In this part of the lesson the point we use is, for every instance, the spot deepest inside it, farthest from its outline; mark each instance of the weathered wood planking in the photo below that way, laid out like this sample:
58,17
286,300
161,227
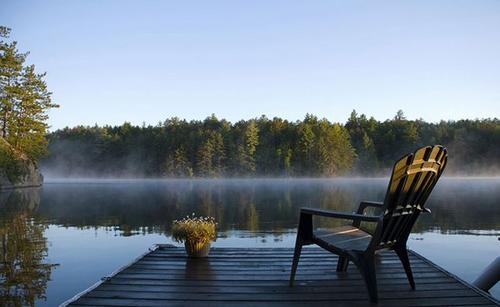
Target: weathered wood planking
259,276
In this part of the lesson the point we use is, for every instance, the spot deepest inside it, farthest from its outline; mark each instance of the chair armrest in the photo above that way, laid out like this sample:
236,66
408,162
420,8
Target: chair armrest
364,204
340,215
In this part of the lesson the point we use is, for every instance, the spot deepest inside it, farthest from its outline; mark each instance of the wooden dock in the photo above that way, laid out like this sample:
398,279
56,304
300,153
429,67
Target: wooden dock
259,277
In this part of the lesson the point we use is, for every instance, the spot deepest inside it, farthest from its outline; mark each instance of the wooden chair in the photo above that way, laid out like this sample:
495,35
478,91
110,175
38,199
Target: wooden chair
412,180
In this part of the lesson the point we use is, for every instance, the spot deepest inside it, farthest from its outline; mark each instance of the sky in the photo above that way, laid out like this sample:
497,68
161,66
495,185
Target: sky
108,62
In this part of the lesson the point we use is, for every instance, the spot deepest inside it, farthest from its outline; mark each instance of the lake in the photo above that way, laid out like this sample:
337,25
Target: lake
65,236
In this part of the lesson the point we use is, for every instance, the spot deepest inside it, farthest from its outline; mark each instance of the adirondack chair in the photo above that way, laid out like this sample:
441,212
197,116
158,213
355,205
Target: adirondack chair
412,180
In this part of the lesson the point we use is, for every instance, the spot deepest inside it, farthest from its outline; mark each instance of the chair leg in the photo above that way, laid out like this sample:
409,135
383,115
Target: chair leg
342,264
366,267
296,256
402,253
304,235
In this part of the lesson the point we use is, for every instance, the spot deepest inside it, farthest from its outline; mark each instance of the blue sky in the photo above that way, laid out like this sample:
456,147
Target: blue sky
143,61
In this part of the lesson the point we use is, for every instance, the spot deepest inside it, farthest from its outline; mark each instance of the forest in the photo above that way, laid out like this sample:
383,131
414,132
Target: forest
264,147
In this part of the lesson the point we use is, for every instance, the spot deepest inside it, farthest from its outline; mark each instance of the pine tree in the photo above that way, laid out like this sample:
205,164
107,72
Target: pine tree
178,165
247,147
359,128
219,154
29,117
204,161
11,65
306,148
24,101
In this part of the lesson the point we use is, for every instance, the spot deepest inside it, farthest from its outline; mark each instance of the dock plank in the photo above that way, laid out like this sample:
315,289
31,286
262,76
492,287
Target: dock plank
259,276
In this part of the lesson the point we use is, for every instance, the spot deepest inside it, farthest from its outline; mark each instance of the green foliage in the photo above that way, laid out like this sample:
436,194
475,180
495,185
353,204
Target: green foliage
9,163
473,144
208,148
211,155
178,165
324,148
361,131
247,139
268,147
24,101
273,153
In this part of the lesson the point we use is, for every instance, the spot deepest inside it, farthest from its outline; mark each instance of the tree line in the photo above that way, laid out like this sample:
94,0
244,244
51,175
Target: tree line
312,147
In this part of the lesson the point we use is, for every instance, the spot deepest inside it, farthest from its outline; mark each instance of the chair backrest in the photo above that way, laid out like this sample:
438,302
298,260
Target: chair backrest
412,180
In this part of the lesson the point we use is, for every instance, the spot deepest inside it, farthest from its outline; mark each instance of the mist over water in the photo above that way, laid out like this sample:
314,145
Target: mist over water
458,203
92,226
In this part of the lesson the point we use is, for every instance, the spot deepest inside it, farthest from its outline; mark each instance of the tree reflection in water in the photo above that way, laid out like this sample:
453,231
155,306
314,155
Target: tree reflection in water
23,271
254,206
264,209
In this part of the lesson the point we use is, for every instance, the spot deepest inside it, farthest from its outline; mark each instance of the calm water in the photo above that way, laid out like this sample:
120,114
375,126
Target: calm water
62,238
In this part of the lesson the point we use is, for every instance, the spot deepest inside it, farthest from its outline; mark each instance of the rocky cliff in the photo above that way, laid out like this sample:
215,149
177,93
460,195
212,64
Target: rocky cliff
16,170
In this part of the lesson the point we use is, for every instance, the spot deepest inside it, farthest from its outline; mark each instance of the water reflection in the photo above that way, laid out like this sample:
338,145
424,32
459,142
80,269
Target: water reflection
198,269
24,272
264,212
254,205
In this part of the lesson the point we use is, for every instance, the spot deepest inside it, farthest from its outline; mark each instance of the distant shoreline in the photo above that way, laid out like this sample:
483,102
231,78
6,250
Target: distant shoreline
297,179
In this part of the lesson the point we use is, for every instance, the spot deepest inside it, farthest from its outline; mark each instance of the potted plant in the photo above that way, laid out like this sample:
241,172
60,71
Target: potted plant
196,233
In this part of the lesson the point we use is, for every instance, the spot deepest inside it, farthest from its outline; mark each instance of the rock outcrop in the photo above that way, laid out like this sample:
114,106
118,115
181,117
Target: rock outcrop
16,170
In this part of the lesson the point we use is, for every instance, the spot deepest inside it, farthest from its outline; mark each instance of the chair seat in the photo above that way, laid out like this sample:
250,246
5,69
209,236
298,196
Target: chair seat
344,237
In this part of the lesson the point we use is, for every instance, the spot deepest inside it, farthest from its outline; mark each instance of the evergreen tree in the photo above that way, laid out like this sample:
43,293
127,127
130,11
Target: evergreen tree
219,154
178,165
335,153
24,101
360,130
11,65
243,155
395,138
306,147
251,140
204,161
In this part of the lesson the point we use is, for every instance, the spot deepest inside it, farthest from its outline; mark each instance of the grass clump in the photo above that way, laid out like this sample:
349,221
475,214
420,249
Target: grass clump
194,229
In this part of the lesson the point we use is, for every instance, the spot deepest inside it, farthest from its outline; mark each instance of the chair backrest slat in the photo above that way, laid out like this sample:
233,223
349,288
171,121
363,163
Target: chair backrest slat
412,180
